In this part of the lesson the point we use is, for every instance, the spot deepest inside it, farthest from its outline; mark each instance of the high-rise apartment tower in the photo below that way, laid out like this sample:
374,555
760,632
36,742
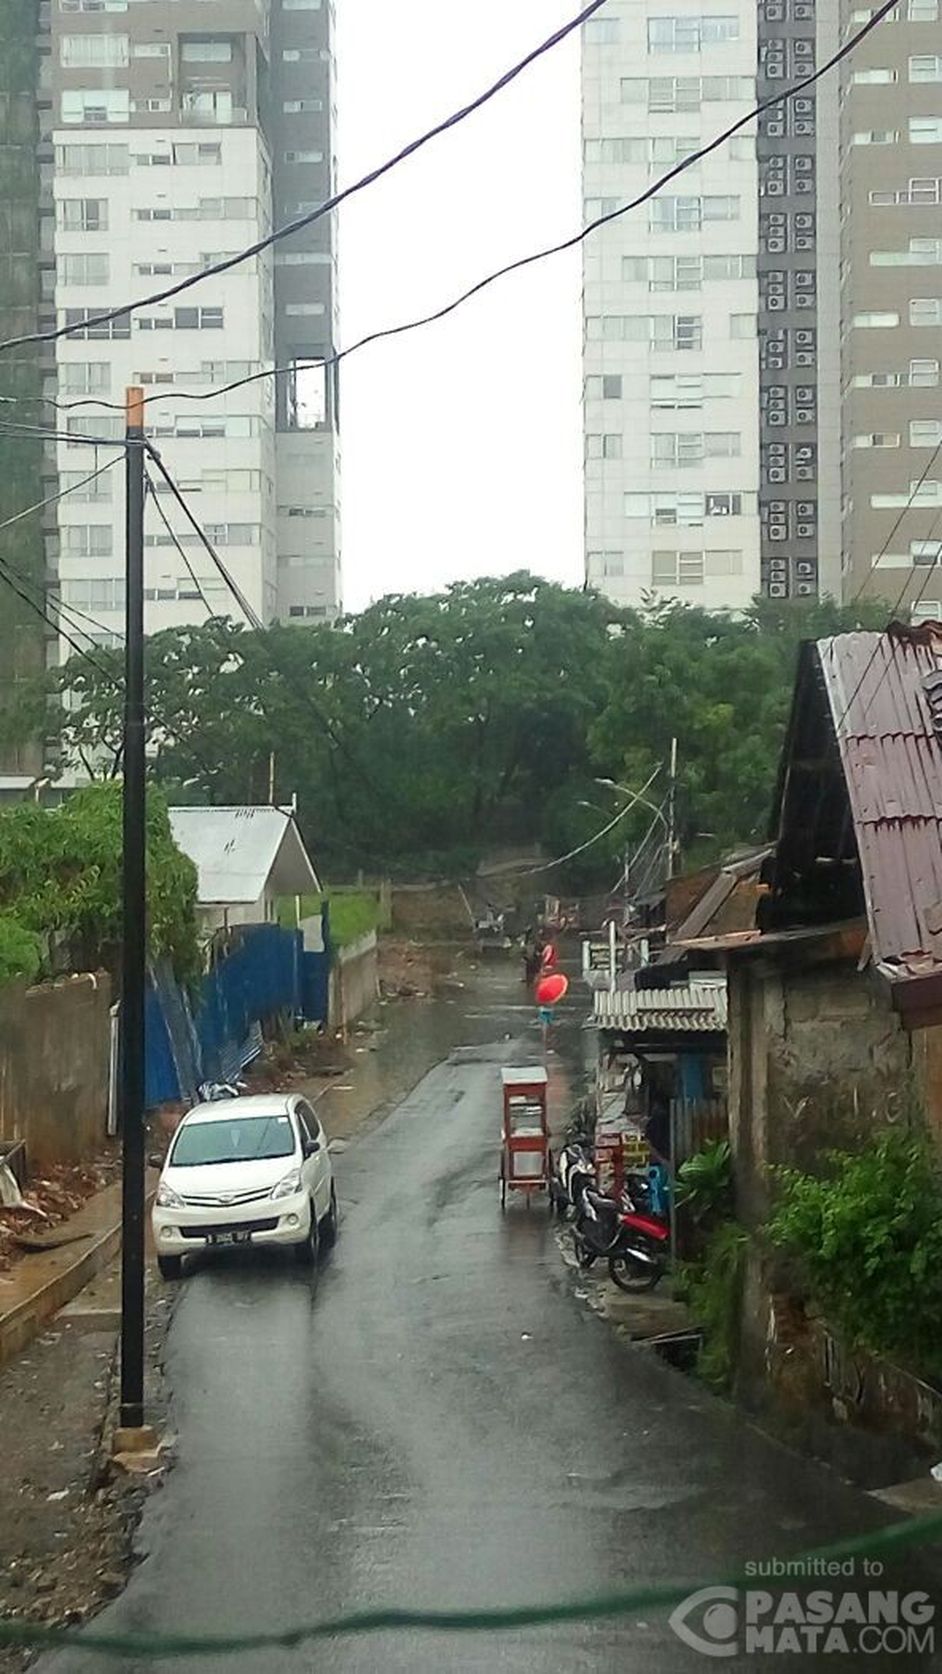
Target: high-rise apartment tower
177,132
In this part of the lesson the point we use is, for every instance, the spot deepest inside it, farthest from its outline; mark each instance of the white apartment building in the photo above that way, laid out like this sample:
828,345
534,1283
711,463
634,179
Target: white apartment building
671,305
174,143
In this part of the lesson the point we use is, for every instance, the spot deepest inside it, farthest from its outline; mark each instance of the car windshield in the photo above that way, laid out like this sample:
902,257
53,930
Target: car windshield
245,1139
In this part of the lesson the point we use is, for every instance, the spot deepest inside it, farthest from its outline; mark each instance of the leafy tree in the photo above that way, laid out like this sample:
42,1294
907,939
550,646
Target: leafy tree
432,727
60,881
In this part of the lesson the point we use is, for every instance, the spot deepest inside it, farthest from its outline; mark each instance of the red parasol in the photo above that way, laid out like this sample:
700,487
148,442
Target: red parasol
551,989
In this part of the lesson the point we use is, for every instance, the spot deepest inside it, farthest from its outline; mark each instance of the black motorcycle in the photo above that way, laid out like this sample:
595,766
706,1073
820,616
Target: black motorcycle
635,1243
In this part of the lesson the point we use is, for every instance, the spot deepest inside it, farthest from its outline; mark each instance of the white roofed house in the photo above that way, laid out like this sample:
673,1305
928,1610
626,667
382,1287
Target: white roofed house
246,860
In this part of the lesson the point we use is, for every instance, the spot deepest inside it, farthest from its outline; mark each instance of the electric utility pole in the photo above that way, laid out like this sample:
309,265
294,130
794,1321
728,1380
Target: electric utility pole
134,942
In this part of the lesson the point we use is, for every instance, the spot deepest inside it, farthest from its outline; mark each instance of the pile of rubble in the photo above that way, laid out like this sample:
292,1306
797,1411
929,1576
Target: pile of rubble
30,1214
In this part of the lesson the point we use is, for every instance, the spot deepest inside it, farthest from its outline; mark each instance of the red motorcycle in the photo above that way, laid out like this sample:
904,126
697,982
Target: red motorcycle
635,1242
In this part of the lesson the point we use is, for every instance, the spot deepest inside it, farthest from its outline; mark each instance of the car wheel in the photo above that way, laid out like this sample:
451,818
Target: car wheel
306,1252
170,1267
329,1226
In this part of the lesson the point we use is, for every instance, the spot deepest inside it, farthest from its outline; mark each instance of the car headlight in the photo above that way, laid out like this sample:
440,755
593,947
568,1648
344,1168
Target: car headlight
167,1198
289,1186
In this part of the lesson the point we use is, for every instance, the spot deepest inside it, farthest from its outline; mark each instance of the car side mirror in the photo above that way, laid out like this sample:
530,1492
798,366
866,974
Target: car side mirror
311,1147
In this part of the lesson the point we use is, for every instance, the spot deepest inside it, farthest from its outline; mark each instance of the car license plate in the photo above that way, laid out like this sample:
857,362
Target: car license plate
222,1238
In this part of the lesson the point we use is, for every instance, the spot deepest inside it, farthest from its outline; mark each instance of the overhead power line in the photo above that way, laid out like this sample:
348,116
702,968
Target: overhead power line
250,613
332,203
795,90
155,500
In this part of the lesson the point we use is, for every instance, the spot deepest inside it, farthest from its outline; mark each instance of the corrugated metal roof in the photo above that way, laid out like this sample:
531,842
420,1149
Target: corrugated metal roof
237,850
893,768
693,1008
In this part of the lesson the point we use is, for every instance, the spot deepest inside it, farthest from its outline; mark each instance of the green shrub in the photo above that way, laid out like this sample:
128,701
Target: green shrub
20,952
711,1289
705,1182
867,1241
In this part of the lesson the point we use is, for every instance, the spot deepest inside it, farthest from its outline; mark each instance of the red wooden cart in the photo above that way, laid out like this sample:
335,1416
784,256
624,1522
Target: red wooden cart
526,1161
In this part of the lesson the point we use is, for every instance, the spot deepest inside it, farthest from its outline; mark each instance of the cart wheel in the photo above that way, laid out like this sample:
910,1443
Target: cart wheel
503,1184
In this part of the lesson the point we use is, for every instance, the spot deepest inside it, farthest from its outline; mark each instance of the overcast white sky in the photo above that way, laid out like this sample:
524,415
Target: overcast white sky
461,443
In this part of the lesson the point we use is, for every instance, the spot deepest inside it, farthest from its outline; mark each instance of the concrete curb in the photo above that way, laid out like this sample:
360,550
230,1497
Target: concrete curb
45,1282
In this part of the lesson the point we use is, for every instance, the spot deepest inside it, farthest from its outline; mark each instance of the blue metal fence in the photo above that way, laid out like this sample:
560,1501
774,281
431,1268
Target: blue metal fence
266,973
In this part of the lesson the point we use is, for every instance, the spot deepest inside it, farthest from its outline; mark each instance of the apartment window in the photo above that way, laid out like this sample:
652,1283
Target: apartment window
302,310
187,154
87,540
677,569
924,374
926,66
873,136
616,151
301,5
83,214
925,433
689,214
91,105
602,31
93,5
293,107
604,447
302,258
107,330
680,448
304,156
680,391
925,130
85,377
722,562
690,34
923,11
922,252
206,52
106,426
90,493
877,439
873,78
92,159
95,592
879,380
607,387
86,269
166,270
80,52
729,267
679,94
925,311
928,493
874,321
926,553
152,49
184,319
234,534
606,563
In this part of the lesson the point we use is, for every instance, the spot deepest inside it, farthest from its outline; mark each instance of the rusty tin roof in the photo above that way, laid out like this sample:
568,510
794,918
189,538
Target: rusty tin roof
892,760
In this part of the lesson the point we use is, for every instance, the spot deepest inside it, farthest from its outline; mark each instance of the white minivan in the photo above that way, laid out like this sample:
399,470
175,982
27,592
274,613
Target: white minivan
245,1171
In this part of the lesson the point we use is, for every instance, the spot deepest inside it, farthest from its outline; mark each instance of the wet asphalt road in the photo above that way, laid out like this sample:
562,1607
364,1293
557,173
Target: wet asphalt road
438,1421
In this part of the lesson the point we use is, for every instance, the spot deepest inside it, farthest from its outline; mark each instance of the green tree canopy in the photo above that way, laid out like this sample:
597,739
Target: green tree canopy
431,728
60,882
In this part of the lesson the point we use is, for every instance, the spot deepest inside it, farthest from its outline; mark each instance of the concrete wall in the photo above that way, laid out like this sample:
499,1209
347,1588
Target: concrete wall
54,1058
354,981
817,1059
